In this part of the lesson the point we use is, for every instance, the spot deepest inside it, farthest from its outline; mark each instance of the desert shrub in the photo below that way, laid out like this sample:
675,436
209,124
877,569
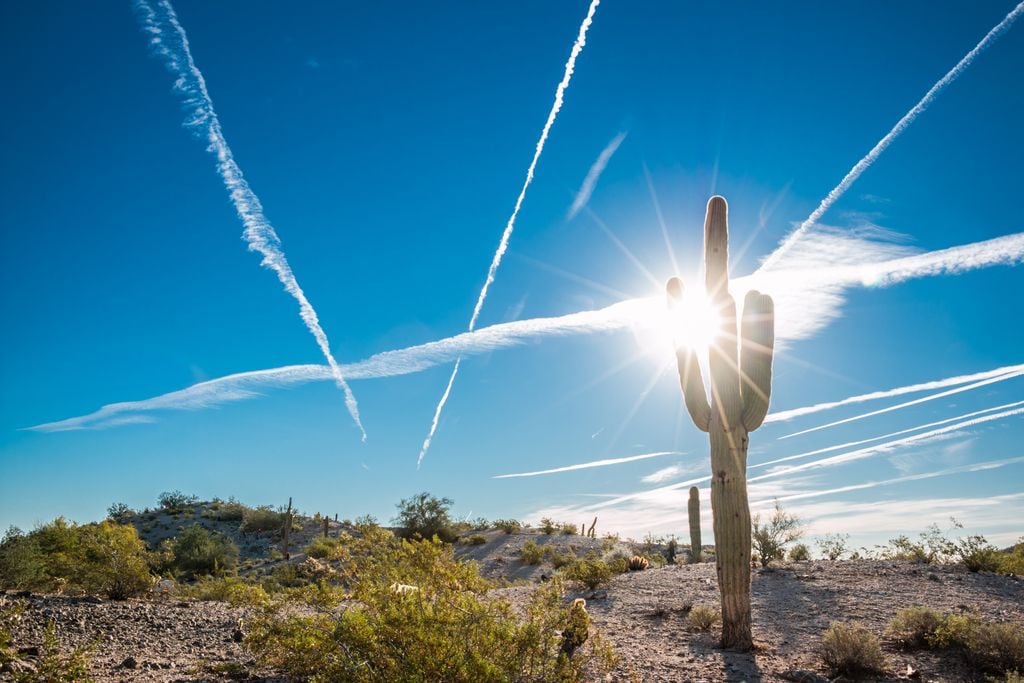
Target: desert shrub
851,649
547,526
531,553
833,546
198,551
106,558
589,572
703,617
446,630
323,547
262,519
799,553
10,614
560,558
509,526
425,516
475,539
570,529
617,564
997,647
956,630
175,501
975,553
230,589
657,560
770,539
1013,561
56,666
915,627
227,511
119,511
932,547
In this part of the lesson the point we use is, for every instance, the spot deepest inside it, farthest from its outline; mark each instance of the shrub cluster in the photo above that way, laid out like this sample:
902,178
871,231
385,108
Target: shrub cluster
509,526
175,501
262,519
703,617
851,649
425,516
442,628
997,647
771,537
105,558
197,551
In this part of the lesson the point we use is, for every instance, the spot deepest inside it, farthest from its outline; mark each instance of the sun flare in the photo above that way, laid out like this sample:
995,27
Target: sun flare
694,322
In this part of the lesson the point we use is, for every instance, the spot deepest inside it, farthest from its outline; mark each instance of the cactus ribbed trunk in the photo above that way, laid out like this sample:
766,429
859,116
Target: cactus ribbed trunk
740,371
693,510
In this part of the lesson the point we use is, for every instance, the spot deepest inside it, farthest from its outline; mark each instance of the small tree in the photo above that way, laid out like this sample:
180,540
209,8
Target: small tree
199,551
833,546
425,516
174,501
770,539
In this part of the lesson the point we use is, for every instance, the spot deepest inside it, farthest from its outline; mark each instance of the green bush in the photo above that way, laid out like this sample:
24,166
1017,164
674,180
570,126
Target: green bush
570,529
975,553
1013,561
119,511
997,647
956,630
915,627
799,553
105,558
175,501
198,551
509,526
55,666
425,516
833,546
323,547
548,526
227,511
446,630
262,519
560,558
703,617
851,649
230,589
590,572
475,539
531,553
770,538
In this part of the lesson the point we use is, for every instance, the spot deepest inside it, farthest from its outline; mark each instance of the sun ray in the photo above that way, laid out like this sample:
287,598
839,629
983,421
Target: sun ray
661,220
624,249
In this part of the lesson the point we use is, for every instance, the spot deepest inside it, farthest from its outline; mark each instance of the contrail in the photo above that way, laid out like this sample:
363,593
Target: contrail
906,404
900,126
590,181
963,469
784,415
795,297
570,65
588,465
173,47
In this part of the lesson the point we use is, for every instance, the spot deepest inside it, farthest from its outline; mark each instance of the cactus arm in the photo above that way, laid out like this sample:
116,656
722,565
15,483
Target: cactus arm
693,510
757,346
690,379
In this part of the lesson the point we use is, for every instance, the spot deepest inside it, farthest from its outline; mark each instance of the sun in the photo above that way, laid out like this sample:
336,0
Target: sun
660,329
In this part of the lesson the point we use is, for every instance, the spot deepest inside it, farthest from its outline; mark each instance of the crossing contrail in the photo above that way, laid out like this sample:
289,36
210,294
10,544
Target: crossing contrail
168,40
884,143
570,65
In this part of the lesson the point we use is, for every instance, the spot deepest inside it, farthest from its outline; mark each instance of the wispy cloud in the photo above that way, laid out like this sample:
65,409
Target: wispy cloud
506,235
168,40
805,298
673,471
907,404
887,140
588,465
590,181
784,415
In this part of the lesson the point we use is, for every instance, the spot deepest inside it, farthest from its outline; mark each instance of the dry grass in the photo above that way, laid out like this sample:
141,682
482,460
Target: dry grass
849,648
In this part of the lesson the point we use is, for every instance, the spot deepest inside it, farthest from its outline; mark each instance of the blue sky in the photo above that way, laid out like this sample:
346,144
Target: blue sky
387,144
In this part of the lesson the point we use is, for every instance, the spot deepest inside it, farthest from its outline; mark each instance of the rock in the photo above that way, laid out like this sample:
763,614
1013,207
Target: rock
129,663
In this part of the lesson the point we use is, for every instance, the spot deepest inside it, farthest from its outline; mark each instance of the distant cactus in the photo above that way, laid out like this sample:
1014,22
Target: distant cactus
638,563
591,533
694,511
740,389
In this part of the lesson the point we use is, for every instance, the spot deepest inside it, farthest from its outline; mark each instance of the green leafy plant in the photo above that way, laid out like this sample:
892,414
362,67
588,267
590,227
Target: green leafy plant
509,526
915,626
548,526
589,572
262,519
425,516
799,553
475,539
198,551
833,546
175,501
771,538
531,553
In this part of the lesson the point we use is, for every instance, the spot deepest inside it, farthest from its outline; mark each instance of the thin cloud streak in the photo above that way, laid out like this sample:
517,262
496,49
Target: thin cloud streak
907,404
797,300
589,465
168,41
884,143
784,415
590,181
506,235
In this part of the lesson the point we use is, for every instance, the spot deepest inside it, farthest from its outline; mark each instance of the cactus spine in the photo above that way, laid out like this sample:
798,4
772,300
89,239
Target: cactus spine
741,377
693,508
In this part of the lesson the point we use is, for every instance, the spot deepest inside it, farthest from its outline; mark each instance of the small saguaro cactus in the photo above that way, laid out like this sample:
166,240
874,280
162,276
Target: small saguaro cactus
693,508
741,373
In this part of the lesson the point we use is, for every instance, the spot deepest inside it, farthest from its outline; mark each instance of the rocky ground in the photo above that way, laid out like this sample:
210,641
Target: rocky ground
643,614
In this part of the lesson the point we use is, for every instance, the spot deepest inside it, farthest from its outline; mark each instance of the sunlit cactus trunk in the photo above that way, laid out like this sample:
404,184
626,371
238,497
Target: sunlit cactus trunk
693,510
740,372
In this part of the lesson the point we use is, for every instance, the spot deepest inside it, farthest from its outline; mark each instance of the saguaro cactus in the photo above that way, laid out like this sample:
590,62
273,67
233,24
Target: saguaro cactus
740,372
693,508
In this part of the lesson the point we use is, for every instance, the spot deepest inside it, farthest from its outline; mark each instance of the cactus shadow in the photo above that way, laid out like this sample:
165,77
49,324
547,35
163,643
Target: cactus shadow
790,604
